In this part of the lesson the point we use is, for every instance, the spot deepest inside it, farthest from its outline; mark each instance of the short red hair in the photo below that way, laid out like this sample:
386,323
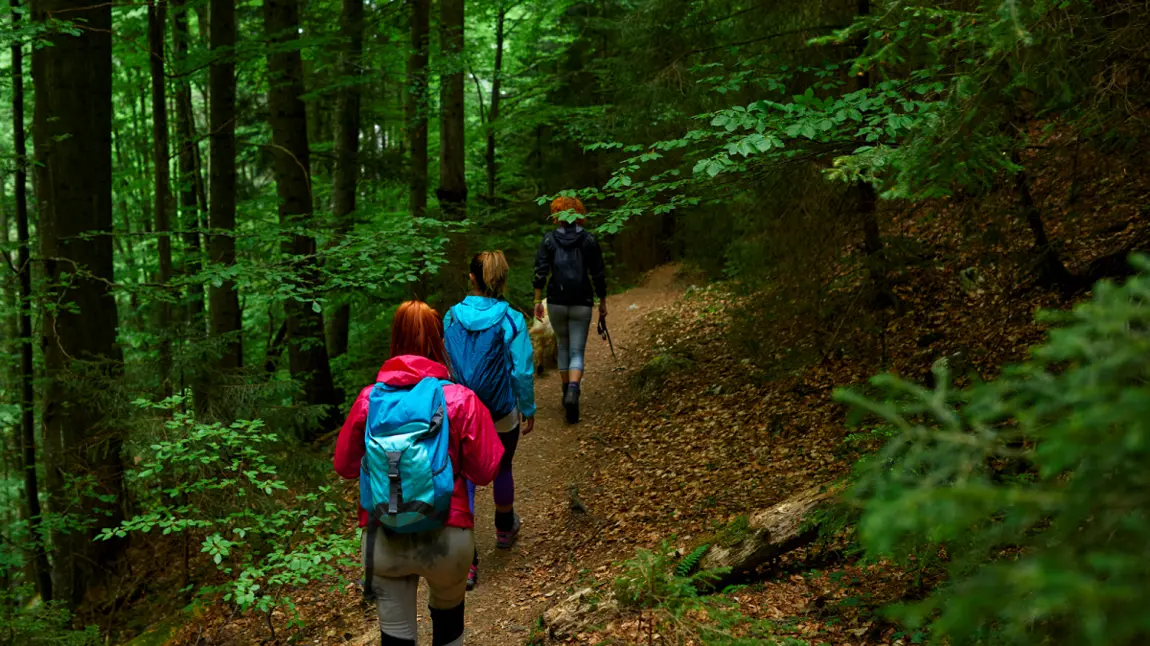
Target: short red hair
560,204
417,329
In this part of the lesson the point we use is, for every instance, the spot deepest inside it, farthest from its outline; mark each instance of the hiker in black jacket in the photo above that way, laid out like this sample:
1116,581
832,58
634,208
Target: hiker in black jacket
570,264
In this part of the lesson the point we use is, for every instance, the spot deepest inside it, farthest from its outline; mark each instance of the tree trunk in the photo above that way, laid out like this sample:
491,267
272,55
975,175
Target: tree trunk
191,205
867,200
190,220
27,368
307,352
493,112
346,176
157,19
415,114
138,145
452,192
223,300
1051,271
73,141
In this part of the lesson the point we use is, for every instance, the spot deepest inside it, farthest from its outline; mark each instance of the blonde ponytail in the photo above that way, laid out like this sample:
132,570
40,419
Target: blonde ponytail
490,271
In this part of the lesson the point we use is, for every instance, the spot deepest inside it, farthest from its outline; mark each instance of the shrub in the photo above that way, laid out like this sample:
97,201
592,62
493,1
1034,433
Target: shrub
218,484
39,624
1032,489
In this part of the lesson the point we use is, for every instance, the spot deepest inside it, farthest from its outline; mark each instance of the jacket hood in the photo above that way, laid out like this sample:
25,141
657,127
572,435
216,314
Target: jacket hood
408,369
480,312
570,236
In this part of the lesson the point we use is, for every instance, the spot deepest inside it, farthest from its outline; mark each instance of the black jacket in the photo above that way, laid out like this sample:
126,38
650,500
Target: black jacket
594,273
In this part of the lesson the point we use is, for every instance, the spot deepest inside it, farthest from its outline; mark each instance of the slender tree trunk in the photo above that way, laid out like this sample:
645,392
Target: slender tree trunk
223,300
415,114
493,112
452,192
307,351
202,23
345,181
12,380
189,173
138,144
27,368
73,139
157,19
867,201
1051,270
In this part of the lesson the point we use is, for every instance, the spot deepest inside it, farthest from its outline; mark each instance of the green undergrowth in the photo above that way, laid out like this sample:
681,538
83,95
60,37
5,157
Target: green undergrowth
665,589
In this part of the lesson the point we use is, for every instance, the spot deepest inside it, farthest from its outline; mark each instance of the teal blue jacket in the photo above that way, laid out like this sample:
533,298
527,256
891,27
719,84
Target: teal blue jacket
480,313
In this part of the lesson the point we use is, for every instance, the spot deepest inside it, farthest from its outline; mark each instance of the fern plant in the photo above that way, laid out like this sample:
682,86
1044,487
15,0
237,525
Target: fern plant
687,566
668,594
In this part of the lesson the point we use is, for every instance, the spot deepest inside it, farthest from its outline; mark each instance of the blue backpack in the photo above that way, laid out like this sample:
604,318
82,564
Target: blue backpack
407,480
480,360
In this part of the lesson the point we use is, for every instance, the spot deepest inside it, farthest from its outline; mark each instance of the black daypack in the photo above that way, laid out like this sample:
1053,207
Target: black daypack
567,269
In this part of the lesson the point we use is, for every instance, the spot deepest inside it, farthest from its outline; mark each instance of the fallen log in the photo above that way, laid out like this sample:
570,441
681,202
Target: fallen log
765,535
579,612
769,533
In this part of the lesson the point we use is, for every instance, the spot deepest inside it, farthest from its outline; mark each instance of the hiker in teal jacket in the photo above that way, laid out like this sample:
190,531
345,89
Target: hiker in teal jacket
490,352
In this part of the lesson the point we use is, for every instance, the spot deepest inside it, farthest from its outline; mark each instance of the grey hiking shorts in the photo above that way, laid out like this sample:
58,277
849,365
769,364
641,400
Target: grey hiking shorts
442,556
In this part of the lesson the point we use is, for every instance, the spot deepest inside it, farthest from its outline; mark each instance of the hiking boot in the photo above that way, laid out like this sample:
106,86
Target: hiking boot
571,405
504,540
472,578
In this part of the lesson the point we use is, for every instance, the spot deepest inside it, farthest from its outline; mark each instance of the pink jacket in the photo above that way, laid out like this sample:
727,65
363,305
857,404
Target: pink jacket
475,448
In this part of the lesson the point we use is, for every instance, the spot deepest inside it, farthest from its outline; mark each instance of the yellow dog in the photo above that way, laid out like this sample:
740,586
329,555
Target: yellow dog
543,344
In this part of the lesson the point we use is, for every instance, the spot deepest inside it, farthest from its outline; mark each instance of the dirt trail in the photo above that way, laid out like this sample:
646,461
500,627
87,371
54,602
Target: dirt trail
509,597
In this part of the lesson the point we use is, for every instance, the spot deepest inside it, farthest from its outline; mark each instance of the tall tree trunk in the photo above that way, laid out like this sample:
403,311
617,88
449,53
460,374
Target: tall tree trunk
73,141
493,112
307,351
223,300
452,192
138,144
190,214
157,19
867,201
347,109
415,115
27,368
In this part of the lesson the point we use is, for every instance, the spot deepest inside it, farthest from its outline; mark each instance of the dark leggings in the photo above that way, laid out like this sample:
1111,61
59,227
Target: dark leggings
504,485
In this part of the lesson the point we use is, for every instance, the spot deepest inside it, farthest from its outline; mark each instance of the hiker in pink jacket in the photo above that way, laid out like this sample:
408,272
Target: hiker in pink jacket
442,556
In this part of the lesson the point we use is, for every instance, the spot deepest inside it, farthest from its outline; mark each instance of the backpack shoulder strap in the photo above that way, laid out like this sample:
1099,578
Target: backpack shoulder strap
457,472
511,321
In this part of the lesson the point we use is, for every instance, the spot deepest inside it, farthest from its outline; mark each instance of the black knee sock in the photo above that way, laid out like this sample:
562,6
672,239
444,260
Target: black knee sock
504,521
475,560
446,625
388,640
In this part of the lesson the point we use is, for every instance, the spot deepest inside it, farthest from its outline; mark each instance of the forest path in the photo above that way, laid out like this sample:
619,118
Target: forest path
512,583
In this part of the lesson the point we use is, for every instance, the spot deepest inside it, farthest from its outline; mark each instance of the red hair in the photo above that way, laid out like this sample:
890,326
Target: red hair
417,329
560,204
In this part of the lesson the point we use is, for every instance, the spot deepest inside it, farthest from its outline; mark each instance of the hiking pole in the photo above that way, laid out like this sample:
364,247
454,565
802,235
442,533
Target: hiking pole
606,336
